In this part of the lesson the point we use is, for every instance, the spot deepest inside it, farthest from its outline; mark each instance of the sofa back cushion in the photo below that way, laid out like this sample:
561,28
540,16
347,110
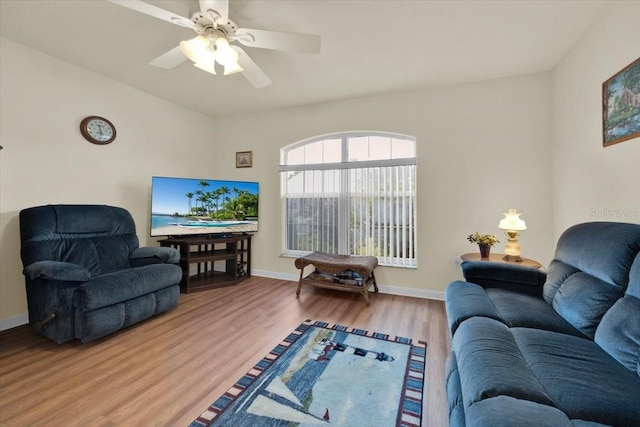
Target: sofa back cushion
619,331
590,271
97,237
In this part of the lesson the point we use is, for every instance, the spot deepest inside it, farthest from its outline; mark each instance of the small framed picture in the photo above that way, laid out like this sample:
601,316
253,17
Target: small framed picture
244,159
621,105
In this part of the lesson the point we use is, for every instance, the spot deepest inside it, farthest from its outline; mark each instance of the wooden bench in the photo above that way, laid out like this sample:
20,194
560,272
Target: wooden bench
337,264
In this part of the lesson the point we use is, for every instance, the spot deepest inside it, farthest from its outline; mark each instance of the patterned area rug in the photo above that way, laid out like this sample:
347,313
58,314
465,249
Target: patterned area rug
324,374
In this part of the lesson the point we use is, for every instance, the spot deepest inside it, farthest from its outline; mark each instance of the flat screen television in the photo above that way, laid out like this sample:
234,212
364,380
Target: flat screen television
189,206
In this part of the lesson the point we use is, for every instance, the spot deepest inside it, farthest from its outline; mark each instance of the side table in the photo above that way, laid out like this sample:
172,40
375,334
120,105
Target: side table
498,258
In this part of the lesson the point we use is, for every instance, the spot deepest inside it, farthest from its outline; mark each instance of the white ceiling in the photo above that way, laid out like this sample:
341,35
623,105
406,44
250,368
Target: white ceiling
368,46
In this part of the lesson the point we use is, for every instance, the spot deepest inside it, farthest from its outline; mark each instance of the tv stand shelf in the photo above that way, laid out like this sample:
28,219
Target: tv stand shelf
210,262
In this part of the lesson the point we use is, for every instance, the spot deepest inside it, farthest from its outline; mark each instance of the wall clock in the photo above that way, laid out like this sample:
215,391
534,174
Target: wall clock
98,130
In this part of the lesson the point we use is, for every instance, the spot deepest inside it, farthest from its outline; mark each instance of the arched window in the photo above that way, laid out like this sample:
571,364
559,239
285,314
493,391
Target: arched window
351,193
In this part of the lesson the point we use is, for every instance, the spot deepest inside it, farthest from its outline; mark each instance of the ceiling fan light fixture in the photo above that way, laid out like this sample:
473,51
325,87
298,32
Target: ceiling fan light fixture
207,64
232,69
225,55
196,48
211,45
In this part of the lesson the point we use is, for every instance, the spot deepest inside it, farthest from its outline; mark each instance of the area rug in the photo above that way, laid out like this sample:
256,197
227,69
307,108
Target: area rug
327,374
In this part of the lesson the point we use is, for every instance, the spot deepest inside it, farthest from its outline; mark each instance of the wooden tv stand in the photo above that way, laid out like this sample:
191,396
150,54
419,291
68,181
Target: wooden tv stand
210,262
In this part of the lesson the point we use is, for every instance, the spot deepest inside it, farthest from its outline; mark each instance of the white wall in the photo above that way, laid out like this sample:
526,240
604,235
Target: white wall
592,183
46,160
482,148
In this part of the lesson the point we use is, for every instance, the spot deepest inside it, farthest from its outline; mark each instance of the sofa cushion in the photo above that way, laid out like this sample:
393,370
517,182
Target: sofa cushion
633,290
557,273
590,271
604,250
505,411
581,379
102,242
154,255
619,331
518,310
75,219
465,300
545,368
57,270
511,276
490,364
112,288
97,323
454,392
99,255
583,299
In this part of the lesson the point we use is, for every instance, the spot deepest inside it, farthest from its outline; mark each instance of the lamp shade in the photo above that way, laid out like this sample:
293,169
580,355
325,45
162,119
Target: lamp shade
512,221
225,55
207,62
195,48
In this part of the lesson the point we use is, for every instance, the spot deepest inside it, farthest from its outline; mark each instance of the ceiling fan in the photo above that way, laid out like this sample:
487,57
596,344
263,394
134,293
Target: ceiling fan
216,31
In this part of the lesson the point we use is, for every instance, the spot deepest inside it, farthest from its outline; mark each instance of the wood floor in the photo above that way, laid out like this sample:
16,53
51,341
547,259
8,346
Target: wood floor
167,370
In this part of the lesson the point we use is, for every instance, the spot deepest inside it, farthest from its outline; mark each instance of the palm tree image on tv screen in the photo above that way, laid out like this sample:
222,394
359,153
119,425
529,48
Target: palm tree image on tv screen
184,206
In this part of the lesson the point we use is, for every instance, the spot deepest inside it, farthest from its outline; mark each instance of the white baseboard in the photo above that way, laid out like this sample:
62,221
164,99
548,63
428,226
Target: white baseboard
411,292
275,275
23,319
384,289
12,322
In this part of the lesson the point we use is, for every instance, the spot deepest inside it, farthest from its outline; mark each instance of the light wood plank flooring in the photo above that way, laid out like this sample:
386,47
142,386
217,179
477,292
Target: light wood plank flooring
168,369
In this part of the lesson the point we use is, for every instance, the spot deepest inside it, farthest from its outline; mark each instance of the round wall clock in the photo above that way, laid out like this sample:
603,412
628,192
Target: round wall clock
98,130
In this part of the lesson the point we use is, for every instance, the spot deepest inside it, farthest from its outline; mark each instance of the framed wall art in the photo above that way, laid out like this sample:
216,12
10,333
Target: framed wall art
244,159
621,105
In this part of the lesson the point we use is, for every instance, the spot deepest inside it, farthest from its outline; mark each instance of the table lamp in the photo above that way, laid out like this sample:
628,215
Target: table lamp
511,224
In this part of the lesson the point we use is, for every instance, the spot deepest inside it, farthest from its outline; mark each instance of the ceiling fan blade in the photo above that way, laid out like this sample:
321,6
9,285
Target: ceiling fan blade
295,42
170,59
219,6
156,12
252,72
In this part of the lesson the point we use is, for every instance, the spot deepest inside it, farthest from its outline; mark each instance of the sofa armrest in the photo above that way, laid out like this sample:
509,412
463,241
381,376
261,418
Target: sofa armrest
523,279
57,270
154,255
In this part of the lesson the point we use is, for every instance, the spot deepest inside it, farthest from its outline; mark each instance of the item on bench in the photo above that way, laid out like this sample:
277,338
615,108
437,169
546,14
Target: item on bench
346,277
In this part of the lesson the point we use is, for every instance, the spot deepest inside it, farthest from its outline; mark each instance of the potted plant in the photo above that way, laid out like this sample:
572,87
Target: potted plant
484,242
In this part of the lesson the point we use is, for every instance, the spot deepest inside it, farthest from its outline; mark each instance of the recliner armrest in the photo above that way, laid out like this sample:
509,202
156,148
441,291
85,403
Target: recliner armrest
528,280
154,255
57,270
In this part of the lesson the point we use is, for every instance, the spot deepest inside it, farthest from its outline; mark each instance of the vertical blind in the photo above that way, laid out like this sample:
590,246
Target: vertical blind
382,214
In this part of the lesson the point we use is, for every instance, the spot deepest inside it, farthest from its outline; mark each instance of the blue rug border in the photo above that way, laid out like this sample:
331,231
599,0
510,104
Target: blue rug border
412,389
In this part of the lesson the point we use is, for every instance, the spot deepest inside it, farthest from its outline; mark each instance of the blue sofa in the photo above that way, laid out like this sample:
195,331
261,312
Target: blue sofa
560,348
86,275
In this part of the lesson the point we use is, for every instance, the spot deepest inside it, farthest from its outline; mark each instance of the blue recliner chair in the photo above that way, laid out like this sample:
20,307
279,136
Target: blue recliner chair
86,275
